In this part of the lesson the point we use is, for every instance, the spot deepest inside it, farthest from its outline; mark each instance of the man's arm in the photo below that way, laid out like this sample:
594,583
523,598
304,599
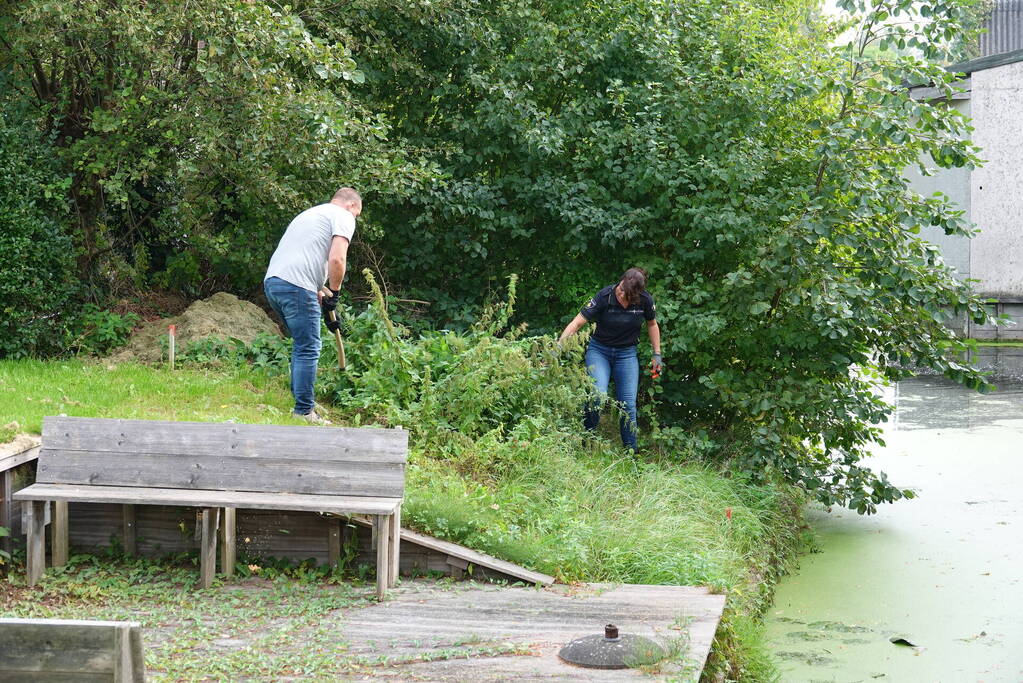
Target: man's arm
337,262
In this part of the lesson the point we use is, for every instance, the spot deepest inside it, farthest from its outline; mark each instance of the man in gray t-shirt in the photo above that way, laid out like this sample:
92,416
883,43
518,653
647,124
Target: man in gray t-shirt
313,249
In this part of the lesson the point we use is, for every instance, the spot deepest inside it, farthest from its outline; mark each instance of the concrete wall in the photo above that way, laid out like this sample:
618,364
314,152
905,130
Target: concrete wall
954,182
996,196
991,196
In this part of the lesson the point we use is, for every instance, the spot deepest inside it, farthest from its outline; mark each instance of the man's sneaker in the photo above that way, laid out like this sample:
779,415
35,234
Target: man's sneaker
311,416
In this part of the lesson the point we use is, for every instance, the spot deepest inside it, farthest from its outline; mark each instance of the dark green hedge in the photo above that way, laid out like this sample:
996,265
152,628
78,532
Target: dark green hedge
36,257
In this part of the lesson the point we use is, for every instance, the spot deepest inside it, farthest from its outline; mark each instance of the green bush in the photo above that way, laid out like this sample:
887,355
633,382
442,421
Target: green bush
449,385
37,273
99,332
267,352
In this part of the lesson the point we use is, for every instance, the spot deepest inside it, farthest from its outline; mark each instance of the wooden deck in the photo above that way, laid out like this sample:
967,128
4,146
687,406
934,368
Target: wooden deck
478,632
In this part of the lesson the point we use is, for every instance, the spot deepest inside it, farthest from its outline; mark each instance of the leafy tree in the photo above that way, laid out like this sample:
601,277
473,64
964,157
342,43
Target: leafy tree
755,170
192,131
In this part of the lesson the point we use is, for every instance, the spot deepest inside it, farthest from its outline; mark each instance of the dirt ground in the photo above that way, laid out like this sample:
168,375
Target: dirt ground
221,315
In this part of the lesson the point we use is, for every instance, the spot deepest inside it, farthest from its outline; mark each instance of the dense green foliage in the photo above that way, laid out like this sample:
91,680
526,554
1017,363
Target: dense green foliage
36,262
728,146
191,131
753,169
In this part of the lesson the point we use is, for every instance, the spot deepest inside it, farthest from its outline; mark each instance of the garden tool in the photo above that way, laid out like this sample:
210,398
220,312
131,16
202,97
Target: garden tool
335,326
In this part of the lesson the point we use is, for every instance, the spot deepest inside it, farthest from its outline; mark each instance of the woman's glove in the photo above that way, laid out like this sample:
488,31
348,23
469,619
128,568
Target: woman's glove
656,366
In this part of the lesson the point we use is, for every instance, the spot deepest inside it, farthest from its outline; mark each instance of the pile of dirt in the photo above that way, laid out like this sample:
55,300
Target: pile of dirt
221,315
19,444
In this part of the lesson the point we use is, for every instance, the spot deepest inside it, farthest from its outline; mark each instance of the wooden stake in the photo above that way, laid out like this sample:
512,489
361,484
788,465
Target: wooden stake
171,334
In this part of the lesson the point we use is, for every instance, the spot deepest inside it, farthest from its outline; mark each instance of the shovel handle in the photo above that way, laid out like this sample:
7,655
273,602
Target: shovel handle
337,339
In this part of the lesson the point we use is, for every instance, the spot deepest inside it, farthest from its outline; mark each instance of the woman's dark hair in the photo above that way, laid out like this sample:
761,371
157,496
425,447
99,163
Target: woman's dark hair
633,284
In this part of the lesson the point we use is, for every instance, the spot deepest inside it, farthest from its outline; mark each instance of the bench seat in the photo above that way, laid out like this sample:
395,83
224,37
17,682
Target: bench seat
131,495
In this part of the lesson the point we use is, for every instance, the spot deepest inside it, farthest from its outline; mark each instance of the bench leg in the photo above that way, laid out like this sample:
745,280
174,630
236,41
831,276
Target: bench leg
35,562
208,546
7,508
130,534
228,551
333,542
59,531
383,555
395,541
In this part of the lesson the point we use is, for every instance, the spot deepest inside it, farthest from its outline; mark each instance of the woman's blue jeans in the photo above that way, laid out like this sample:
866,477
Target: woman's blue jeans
300,310
605,363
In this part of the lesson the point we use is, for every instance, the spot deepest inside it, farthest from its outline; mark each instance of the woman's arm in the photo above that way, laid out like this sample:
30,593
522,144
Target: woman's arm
573,327
654,331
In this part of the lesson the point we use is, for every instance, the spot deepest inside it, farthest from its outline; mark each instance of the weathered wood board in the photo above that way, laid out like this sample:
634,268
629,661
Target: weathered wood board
59,650
492,633
251,499
223,457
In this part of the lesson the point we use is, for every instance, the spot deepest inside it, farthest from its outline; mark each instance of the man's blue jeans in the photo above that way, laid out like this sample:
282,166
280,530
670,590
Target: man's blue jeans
605,363
300,310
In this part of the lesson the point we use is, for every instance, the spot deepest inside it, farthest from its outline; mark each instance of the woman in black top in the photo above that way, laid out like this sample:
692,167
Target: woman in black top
619,311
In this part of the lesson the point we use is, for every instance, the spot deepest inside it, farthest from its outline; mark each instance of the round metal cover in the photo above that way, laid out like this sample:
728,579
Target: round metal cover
619,652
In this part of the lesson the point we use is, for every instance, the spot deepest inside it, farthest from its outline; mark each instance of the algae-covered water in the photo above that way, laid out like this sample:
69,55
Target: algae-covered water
943,572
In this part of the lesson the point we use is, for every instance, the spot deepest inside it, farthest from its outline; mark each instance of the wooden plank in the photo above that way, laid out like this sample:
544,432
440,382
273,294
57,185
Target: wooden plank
7,509
65,656
208,546
238,499
383,554
35,530
50,649
228,549
130,530
59,534
212,438
447,548
222,472
394,541
138,660
9,462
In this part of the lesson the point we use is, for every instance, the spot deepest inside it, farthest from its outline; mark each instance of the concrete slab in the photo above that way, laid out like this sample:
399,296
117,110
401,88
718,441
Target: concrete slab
479,632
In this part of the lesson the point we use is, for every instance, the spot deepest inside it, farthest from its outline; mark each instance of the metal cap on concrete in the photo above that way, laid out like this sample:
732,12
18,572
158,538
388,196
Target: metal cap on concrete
612,650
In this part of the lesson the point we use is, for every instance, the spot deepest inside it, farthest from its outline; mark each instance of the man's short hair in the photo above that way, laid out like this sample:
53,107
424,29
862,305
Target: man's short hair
346,195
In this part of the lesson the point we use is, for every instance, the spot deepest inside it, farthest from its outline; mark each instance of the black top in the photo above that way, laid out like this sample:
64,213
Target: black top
616,326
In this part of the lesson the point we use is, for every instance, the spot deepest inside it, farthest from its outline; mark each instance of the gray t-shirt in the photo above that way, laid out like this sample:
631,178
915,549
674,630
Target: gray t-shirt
301,256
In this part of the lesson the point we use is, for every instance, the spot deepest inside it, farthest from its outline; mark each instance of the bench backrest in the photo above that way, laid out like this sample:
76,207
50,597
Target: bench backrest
224,456
58,650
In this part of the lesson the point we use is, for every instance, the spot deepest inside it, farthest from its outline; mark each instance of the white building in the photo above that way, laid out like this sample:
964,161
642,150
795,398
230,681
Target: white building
991,196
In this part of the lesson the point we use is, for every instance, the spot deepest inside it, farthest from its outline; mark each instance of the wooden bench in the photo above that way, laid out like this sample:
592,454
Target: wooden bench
56,650
214,466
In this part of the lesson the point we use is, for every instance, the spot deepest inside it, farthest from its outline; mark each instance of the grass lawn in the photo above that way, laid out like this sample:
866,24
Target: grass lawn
30,390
